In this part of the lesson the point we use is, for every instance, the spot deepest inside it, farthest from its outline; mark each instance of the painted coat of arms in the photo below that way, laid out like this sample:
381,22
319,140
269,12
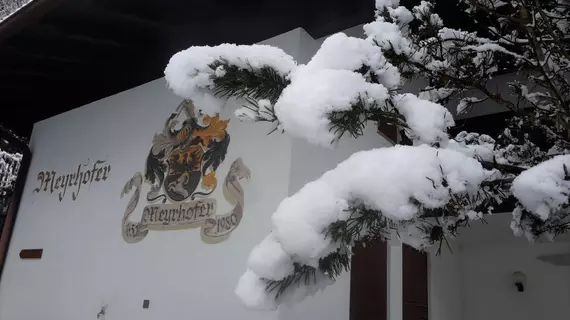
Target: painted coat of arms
181,172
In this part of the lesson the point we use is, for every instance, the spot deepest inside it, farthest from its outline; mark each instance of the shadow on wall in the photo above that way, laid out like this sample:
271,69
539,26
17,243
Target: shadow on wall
493,275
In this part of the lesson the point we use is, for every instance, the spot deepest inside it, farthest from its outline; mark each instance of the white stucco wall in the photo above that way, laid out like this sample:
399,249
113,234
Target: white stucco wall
475,281
86,264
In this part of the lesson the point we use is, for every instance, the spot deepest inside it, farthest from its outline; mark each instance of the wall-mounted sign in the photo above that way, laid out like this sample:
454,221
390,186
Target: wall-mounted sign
62,184
181,172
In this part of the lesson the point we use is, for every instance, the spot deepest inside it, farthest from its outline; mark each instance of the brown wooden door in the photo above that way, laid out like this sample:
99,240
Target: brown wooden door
368,283
415,284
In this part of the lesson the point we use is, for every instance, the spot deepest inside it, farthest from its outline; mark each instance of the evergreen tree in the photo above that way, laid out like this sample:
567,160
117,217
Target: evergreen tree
424,192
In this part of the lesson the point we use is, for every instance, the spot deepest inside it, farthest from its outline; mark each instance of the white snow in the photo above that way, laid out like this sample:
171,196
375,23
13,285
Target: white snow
465,103
328,83
246,113
388,35
542,189
304,105
251,291
492,47
436,94
397,181
340,52
402,15
474,145
189,75
263,111
11,7
428,121
268,260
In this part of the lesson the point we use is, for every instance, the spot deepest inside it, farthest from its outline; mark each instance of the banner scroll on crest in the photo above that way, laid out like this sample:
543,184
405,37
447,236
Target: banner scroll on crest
199,213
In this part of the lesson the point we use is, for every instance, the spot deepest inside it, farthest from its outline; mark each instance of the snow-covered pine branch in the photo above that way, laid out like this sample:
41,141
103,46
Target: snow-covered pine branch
10,7
422,194
347,83
401,187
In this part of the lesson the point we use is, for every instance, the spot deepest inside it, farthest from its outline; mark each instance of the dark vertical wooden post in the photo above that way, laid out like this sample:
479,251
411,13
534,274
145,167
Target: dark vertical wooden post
368,282
415,284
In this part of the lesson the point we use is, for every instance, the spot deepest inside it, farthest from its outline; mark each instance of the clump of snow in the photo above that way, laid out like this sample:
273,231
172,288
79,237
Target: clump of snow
220,71
425,9
340,52
428,121
246,113
251,289
388,35
466,103
305,104
268,260
328,83
436,94
189,74
474,145
263,111
545,188
402,15
398,182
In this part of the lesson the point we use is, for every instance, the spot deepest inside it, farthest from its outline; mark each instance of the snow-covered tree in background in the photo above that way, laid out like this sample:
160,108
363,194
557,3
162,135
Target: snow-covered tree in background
9,166
10,161
425,190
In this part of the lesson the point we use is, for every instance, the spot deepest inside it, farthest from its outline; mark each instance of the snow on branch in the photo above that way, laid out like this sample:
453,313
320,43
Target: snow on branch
545,188
192,73
346,84
428,121
10,7
400,184
424,193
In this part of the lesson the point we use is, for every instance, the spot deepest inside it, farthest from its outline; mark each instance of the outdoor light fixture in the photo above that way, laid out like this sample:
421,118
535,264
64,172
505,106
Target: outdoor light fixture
519,280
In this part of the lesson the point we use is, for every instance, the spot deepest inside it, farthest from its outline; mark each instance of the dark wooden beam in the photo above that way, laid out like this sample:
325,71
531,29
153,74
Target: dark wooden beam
64,48
96,11
52,32
26,73
9,51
